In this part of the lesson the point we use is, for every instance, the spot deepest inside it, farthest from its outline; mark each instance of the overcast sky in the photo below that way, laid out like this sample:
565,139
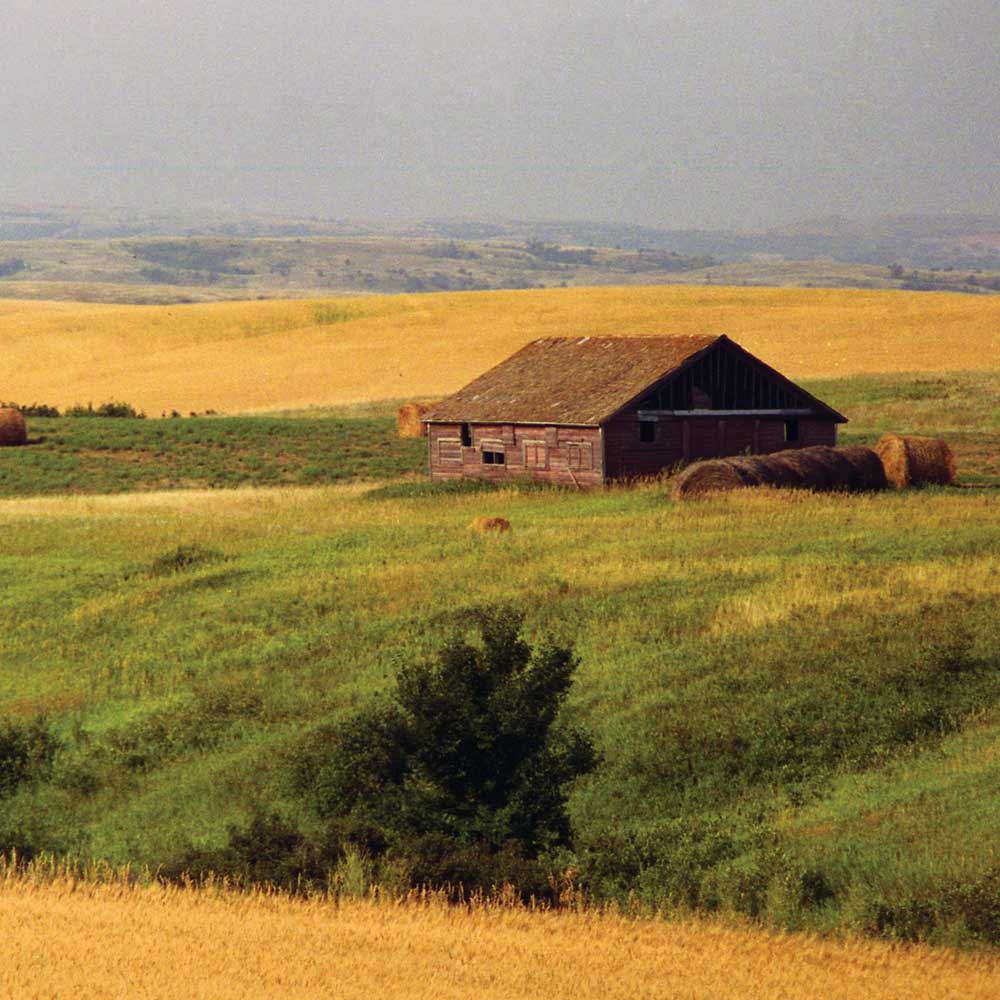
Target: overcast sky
678,113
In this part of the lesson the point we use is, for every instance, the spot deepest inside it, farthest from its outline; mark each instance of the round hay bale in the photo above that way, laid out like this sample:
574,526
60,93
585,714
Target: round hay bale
914,461
13,430
409,423
814,467
486,525
711,476
781,473
868,472
759,471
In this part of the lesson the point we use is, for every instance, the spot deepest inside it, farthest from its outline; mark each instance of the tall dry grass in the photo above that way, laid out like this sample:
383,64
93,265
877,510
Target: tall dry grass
70,938
241,356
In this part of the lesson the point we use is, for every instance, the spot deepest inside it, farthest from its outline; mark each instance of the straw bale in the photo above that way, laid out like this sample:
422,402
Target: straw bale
408,418
485,525
819,468
710,476
13,430
914,461
867,468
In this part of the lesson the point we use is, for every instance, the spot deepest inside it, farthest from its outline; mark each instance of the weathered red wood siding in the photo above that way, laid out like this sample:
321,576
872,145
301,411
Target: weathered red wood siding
566,455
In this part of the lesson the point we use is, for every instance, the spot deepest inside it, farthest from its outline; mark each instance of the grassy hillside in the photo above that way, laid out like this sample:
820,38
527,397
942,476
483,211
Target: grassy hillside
793,693
67,940
795,696
236,357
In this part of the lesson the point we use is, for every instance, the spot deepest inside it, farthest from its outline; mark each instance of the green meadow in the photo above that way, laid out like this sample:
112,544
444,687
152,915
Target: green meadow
795,695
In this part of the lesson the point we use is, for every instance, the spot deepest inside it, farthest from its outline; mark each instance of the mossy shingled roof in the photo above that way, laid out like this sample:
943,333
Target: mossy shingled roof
568,380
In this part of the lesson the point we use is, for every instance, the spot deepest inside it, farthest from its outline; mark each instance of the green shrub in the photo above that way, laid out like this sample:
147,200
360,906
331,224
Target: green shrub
109,409
27,751
466,761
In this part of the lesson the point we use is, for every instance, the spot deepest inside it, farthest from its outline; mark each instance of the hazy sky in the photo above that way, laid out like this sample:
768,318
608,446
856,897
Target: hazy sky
679,113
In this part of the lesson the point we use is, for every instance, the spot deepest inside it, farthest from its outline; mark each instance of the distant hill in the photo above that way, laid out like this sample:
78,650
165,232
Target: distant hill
914,241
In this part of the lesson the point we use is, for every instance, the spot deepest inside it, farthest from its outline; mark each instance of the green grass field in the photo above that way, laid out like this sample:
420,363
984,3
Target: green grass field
101,455
795,695
326,446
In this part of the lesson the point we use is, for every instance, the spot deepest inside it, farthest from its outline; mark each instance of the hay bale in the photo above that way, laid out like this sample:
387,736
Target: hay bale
13,430
487,525
783,474
408,418
867,469
710,476
914,461
819,468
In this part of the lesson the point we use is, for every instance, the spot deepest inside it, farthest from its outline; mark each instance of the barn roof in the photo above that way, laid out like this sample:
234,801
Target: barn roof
568,380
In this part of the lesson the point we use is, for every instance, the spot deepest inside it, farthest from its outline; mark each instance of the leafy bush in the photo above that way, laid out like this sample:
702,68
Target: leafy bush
112,408
465,766
27,750
34,409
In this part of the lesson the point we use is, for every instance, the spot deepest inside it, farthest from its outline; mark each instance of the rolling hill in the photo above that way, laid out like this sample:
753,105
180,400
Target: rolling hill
240,357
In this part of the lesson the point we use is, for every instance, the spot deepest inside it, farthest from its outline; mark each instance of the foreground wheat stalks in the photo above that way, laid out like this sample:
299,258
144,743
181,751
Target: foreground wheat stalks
65,938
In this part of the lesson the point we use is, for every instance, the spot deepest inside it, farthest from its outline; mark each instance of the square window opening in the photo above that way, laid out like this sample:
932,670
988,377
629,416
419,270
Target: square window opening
791,432
647,431
466,436
494,458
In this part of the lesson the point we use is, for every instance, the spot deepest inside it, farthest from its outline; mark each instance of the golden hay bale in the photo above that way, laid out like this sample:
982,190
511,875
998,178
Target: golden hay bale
13,430
913,461
485,525
408,418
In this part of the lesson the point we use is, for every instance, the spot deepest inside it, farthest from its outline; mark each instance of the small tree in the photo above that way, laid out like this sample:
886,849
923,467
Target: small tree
468,752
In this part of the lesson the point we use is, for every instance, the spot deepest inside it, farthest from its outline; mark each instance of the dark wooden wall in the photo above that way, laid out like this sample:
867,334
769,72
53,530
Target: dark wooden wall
570,456
679,439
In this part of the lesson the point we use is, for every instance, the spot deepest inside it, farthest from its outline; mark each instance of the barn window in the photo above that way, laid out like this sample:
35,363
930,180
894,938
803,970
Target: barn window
647,431
791,431
580,454
535,455
449,451
493,453
466,436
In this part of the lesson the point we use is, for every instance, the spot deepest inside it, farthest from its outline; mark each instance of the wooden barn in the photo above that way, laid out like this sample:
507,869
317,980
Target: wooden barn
585,410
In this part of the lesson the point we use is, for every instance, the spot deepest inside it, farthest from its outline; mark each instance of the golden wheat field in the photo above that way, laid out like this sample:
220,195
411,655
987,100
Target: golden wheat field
65,938
245,356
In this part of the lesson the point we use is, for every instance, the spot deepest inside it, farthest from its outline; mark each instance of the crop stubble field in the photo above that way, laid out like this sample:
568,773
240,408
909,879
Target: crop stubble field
860,633
164,943
237,357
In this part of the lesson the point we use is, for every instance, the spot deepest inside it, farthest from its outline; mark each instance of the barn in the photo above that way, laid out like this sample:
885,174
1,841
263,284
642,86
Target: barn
585,410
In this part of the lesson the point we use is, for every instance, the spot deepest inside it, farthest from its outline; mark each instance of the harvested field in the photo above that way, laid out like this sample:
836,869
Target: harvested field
302,353
80,941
